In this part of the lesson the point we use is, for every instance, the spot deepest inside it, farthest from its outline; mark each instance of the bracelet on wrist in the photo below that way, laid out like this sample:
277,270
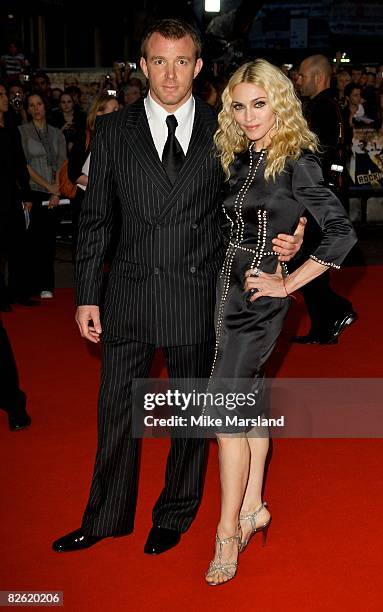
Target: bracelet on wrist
287,293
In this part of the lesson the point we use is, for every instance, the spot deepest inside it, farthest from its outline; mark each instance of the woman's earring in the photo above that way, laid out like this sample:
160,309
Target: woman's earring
277,123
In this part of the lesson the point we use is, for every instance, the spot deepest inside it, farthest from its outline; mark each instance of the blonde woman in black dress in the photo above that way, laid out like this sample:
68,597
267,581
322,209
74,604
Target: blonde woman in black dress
268,155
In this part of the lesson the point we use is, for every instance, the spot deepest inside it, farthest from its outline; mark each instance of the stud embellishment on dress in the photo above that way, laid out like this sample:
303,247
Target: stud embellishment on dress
261,241
324,263
285,270
236,238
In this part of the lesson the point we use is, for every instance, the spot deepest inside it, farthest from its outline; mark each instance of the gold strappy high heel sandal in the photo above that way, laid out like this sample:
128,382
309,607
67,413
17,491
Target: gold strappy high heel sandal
253,520
227,568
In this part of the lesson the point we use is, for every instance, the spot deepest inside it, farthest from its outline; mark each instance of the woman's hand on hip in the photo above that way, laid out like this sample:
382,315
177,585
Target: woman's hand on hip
262,284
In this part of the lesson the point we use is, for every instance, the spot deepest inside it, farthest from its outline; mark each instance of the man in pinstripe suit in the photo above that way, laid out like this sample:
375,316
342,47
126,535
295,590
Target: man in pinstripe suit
161,288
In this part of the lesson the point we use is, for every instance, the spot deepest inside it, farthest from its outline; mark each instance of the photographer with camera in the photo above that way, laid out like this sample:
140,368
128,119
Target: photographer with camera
110,85
121,74
18,114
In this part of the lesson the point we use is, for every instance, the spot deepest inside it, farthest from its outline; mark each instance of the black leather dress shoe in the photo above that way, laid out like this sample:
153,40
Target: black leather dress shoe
160,540
19,420
338,326
330,335
75,540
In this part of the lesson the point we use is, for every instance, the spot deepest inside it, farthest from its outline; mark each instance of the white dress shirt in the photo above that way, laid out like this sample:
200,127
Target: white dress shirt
157,122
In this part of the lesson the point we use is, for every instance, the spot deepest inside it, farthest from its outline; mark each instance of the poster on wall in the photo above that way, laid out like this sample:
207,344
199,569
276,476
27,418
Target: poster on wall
366,163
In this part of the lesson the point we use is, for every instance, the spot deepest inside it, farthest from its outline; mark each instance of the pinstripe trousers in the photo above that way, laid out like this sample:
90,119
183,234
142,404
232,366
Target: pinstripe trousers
113,495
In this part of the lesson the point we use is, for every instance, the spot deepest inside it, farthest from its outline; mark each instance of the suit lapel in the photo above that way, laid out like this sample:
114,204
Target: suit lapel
201,143
137,134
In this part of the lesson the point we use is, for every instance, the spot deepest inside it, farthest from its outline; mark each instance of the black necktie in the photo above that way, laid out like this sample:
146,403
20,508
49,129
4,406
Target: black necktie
173,155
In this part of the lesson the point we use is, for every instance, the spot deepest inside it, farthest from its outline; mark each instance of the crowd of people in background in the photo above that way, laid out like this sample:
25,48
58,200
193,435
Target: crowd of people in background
56,125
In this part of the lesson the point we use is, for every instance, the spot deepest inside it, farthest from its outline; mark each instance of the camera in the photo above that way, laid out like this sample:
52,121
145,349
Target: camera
132,65
16,101
337,168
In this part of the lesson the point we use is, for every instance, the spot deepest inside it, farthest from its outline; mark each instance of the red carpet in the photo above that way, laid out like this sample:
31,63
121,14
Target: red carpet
324,550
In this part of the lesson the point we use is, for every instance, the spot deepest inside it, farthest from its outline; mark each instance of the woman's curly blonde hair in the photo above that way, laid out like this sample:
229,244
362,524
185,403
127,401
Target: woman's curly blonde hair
291,135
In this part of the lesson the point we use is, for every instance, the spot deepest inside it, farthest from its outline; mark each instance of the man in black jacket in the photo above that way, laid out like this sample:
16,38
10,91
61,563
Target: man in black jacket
15,201
14,181
329,312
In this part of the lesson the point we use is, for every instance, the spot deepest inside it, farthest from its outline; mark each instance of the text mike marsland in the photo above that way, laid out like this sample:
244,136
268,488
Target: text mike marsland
208,421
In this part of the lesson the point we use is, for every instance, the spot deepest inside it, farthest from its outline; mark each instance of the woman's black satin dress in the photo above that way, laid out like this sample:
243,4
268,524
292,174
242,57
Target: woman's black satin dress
246,332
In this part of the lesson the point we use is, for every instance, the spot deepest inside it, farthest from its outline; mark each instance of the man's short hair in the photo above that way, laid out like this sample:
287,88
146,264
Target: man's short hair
172,29
350,88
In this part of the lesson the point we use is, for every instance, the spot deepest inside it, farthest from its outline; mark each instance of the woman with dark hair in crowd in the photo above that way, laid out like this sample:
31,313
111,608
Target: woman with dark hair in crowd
75,93
45,151
69,118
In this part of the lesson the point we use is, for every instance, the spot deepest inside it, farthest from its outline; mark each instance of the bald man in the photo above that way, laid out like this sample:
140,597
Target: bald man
329,312
322,112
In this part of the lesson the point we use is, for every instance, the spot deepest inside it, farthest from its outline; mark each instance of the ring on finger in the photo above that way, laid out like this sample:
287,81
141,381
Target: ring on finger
255,272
